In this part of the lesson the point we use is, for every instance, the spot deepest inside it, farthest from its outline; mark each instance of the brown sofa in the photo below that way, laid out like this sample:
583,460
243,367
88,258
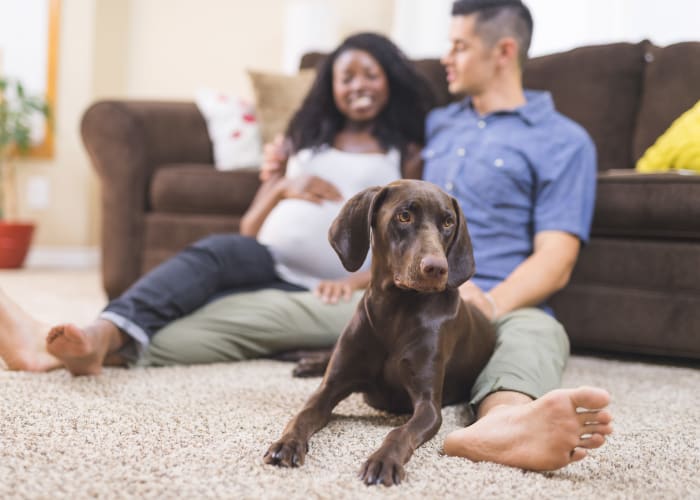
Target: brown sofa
636,287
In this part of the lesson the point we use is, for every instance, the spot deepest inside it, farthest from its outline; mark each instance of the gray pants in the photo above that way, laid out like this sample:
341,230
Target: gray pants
531,350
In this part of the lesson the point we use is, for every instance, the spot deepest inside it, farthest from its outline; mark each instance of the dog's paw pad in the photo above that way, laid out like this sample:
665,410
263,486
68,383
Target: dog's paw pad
382,471
286,453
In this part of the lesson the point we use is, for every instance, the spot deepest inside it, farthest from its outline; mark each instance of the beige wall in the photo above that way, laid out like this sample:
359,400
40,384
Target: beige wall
162,49
213,42
68,219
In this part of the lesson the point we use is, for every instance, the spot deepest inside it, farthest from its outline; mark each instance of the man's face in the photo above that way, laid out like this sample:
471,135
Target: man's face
470,64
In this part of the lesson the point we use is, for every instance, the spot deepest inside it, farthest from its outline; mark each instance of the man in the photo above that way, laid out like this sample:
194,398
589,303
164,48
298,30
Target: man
525,178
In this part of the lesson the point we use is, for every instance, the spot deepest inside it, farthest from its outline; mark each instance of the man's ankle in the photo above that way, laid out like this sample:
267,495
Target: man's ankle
501,398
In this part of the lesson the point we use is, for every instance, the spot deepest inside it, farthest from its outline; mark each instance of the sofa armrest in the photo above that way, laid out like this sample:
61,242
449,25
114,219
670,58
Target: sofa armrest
127,141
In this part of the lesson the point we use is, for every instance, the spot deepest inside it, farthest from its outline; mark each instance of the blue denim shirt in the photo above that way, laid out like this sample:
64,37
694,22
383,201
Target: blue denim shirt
514,173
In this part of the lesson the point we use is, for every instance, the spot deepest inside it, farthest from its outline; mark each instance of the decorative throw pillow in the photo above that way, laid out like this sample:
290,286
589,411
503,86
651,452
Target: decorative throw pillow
277,97
233,129
678,148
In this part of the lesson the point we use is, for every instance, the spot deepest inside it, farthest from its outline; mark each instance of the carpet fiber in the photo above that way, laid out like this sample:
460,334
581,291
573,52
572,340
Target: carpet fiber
200,432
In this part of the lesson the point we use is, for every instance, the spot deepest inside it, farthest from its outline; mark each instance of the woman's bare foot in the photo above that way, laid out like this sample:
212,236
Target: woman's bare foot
545,434
23,339
83,350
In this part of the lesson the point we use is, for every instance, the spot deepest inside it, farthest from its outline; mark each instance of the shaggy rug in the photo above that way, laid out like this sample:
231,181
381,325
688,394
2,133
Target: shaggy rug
200,432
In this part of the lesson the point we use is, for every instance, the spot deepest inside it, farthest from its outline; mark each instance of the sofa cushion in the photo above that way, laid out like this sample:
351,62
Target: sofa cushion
233,129
599,87
678,148
277,97
201,189
606,318
657,265
671,86
647,205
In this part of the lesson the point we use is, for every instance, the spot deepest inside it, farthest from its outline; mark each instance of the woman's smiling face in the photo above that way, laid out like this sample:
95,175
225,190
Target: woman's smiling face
360,85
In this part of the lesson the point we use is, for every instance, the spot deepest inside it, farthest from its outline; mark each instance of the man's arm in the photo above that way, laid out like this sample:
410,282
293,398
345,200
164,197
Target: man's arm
546,271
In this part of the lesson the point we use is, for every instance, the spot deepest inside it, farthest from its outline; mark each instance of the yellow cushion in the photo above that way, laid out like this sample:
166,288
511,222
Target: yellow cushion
277,97
678,148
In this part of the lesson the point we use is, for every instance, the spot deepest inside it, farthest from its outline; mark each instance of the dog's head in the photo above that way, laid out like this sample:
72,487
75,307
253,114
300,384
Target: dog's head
418,236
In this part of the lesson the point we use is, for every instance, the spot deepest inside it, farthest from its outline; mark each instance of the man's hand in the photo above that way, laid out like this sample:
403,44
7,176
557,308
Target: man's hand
275,156
330,292
309,188
475,295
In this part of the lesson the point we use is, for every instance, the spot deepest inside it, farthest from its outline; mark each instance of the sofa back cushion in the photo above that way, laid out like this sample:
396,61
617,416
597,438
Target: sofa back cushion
600,88
671,87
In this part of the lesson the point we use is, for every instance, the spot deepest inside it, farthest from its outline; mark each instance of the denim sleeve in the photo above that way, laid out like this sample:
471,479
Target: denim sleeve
565,192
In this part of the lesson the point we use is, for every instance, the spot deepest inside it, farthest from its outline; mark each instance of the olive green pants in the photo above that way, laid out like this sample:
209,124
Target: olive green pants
531,350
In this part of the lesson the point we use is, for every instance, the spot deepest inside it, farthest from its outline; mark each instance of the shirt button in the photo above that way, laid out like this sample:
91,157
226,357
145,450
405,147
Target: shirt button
429,153
481,124
461,152
449,186
498,162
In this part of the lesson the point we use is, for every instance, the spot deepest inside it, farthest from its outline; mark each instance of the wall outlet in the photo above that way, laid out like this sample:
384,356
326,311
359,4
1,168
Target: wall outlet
38,192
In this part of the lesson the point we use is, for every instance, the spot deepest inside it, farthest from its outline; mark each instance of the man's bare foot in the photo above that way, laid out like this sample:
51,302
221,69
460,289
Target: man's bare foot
545,434
83,350
22,339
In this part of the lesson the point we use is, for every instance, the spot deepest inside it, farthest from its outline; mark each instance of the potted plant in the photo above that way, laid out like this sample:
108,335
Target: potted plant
17,110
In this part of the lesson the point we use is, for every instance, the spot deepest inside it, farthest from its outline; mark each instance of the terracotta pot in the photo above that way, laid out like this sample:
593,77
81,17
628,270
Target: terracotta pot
15,238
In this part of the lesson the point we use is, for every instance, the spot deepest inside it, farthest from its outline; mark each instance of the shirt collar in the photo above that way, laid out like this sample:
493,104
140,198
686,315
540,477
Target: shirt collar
538,105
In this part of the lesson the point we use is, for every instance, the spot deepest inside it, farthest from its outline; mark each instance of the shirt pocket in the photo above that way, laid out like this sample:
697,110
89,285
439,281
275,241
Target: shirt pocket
500,179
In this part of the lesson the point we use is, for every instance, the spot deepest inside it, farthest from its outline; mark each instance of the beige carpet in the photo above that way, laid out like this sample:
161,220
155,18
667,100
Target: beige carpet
199,432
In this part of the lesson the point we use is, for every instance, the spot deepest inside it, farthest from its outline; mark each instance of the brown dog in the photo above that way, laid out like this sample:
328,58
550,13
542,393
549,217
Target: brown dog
412,345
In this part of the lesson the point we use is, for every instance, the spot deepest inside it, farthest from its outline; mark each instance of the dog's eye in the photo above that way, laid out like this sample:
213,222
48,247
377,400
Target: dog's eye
448,223
404,216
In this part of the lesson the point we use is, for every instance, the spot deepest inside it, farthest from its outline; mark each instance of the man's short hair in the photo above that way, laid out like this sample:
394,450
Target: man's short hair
496,19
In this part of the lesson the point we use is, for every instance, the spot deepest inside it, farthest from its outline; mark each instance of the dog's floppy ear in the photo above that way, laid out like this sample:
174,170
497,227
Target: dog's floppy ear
349,234
460,256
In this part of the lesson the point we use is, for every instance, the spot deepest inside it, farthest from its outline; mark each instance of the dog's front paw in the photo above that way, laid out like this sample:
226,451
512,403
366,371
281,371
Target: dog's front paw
382,469
287,452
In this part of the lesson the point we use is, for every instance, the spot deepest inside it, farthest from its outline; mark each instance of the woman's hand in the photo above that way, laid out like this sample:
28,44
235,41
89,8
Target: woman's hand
330,292
309,188
275,156
472,293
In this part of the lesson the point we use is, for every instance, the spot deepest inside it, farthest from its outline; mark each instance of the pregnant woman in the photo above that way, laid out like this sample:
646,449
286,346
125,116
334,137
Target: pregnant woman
362,124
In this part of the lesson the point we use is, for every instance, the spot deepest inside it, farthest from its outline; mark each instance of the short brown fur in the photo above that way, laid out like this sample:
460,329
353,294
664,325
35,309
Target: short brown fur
412,345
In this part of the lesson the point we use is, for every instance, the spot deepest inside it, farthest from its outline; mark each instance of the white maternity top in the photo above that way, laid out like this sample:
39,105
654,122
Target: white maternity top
296,231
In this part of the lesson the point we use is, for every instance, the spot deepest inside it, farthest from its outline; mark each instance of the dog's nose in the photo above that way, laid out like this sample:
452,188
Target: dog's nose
433,266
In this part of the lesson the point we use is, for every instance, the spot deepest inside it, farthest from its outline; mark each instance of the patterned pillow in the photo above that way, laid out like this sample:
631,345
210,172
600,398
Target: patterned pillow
233,129
678,148
277,97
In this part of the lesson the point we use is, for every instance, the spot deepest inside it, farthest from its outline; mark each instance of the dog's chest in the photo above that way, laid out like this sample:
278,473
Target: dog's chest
402,366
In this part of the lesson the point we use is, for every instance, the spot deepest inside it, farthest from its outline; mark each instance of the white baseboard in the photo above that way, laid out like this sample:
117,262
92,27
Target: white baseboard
63,258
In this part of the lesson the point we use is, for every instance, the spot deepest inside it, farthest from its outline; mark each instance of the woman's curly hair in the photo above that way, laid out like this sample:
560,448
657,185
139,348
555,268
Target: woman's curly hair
401,122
